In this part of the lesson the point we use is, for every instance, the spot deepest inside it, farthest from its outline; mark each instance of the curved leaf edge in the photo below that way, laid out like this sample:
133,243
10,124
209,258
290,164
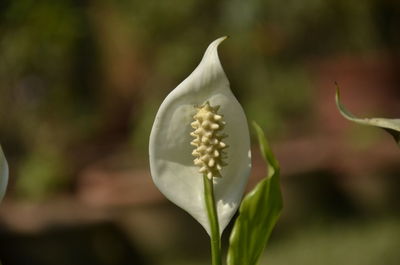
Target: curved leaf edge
392,126
258,212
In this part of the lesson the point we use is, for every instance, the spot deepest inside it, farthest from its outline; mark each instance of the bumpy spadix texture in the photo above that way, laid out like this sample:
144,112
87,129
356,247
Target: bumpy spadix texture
208,141
3,174
172,164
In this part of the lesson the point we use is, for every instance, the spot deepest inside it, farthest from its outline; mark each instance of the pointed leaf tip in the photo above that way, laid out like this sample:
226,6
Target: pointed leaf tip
265,148
392,126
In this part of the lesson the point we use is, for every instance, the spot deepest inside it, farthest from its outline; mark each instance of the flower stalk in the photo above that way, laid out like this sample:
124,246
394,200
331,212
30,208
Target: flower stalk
215,238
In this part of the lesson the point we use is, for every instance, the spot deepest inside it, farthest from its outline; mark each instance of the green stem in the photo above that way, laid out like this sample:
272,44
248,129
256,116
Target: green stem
213,218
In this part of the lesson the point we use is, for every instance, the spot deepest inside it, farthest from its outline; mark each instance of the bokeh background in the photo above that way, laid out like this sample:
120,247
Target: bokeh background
81,81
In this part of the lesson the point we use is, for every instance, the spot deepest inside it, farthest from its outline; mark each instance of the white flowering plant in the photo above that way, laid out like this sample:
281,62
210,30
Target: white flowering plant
200,160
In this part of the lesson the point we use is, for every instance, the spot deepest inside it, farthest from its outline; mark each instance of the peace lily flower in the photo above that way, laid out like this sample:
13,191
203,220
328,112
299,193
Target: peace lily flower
3,174
200,132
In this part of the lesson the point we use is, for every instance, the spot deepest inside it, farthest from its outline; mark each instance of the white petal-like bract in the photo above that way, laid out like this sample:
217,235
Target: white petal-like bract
3,174
171,161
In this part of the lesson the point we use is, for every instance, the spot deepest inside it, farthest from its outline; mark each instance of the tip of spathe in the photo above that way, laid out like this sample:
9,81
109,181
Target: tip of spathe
212,48
225,37
221,39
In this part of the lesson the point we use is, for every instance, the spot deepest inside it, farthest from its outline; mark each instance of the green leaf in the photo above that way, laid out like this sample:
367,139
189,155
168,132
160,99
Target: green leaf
258,213
391,126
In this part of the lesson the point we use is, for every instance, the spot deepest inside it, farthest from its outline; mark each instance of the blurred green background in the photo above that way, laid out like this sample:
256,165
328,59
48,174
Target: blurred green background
81,81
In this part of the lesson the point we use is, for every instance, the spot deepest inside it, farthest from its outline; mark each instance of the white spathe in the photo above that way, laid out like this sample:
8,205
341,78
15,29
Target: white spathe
171,160
3,174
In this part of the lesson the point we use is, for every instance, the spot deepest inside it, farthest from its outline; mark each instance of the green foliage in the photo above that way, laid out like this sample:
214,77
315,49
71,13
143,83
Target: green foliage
391,126
258,212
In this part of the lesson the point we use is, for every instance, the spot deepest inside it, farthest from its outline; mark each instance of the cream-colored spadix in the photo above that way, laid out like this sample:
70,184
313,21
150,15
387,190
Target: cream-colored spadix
172,164
3,174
